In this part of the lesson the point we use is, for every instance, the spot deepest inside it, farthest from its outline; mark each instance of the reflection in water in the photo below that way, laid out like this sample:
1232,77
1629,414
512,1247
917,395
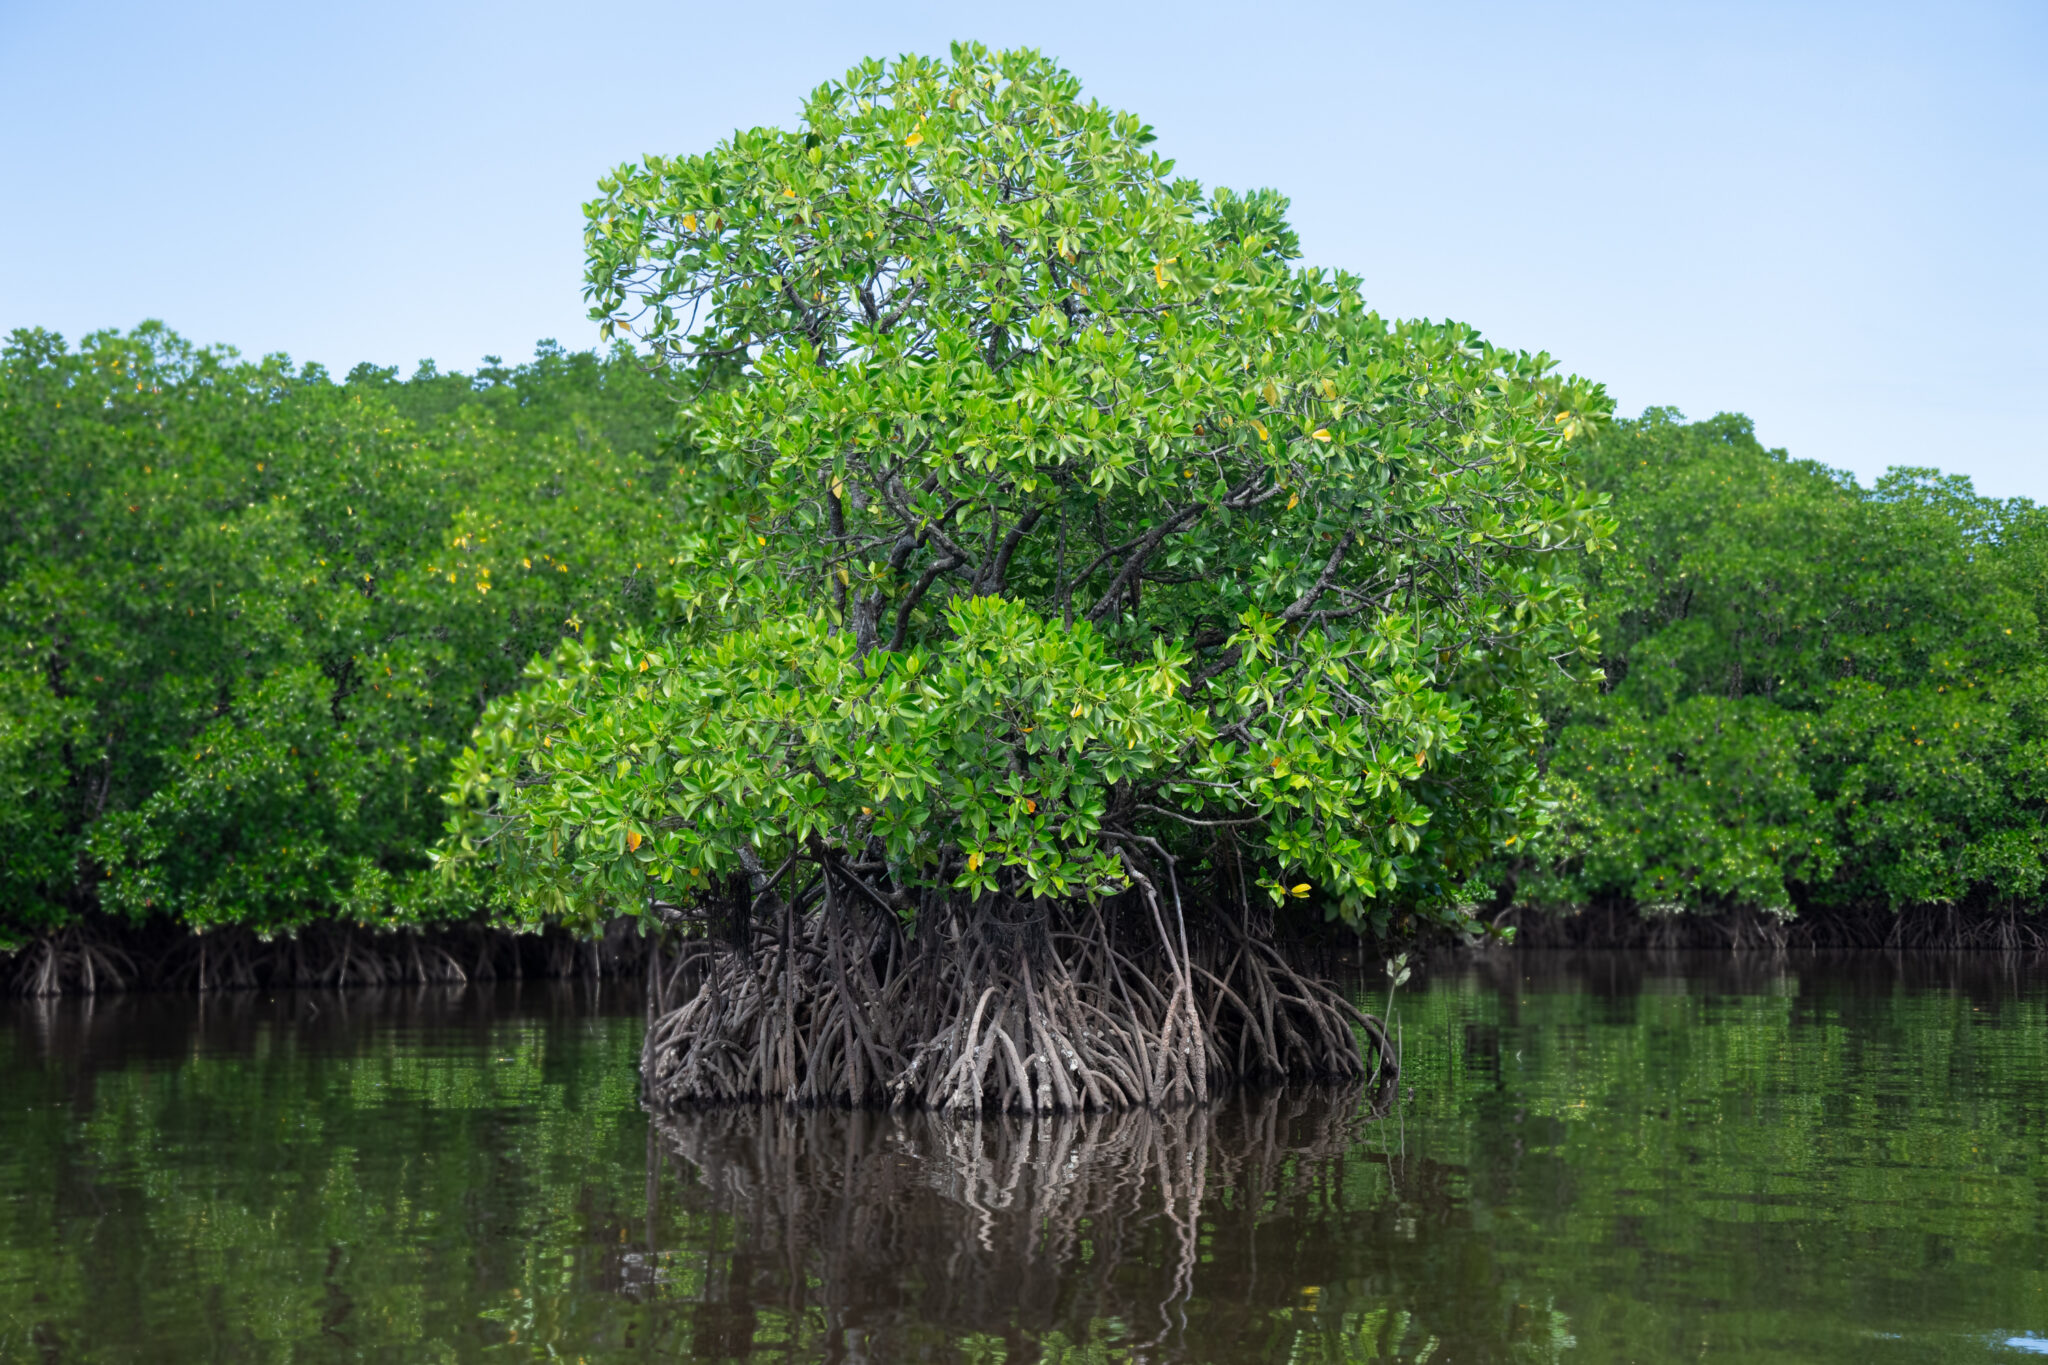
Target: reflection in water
1711,1159
1132,1231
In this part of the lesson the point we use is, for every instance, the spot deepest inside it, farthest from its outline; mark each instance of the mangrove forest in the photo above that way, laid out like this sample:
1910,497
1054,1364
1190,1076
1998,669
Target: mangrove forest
1007,771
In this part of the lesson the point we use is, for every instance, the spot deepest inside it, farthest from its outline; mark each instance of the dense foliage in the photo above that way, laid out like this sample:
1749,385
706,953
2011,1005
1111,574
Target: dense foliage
247,613
1038,528
1816,695
1093,533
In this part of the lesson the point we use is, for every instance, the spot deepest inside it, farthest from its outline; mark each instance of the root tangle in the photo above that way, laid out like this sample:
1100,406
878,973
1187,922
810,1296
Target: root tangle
1024,1008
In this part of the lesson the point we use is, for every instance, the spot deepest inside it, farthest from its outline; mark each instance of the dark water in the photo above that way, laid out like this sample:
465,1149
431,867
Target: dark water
1600,1163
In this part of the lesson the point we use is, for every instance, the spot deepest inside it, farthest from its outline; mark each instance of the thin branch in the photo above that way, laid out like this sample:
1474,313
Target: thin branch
1147,544
1000,570
916,595
1191,820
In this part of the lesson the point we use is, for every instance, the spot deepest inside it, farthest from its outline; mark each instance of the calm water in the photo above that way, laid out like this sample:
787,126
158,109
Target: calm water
1600,1162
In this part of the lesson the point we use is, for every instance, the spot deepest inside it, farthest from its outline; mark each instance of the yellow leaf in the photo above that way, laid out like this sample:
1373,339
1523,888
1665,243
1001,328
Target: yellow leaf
1301,890
1292,499
643,665
1420,759
914,139
788,193
633,839
1030,806
689,222
1076,711
1329,388
1260,427
973,861
838,487
1272,394
760,540
1320,434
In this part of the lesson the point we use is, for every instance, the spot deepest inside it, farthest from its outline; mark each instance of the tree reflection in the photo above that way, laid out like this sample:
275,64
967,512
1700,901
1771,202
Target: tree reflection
1228,1232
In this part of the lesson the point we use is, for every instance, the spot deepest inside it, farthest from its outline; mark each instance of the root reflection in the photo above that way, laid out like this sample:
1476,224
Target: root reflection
1012,1226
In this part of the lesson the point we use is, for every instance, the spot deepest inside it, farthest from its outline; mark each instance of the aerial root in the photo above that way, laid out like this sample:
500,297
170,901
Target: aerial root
1036,1016
71,961
99,956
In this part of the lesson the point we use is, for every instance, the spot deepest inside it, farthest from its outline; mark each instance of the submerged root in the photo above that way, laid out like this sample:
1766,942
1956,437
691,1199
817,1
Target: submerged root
1097,1011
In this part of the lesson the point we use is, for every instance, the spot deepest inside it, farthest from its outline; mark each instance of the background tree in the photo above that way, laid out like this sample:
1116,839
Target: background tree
1109,578
248,613
1817,695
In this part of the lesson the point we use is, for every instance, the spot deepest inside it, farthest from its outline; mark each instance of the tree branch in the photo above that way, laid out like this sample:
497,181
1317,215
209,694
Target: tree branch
999,571
1147,544
916,595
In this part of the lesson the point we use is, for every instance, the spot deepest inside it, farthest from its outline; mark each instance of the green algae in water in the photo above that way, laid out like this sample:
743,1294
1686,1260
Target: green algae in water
1600,1162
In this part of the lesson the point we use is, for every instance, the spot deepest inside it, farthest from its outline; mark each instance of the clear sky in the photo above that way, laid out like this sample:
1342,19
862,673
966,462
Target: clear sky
1829,217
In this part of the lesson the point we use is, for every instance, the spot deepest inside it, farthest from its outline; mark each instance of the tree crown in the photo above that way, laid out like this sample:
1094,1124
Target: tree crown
1305,565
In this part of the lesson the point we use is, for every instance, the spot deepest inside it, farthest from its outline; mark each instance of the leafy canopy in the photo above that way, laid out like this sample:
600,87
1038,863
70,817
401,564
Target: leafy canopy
1082,522
248,614
1818,694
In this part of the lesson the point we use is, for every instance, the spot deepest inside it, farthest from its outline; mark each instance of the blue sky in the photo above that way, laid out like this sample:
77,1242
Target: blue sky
1829,217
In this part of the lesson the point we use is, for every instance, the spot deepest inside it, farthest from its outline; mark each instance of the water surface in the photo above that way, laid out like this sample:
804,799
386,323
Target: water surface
1602,1160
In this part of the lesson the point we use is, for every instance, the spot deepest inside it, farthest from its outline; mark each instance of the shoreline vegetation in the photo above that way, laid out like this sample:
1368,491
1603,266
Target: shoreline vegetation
105,956
318,681
101,955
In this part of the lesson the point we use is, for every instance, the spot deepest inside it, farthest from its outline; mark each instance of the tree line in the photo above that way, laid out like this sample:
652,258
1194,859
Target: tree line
982,516
1818,698
249,612
252,613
